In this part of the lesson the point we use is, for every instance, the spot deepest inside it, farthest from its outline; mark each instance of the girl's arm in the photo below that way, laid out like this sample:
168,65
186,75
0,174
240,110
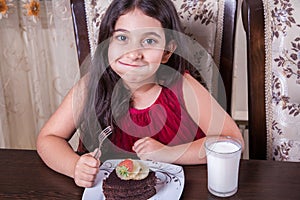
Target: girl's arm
54,149
52,141
210,117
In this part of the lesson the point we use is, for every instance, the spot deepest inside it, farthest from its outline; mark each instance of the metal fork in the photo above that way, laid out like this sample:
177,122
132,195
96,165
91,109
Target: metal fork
101,137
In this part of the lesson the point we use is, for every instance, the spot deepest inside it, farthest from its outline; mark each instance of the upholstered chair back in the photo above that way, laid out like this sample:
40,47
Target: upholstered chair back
280,78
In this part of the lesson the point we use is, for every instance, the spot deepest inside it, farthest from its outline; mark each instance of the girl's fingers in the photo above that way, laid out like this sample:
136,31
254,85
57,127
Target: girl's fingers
93,154
84,183
84,179
86,170
88,177
139,141
89,170
89,160
140,144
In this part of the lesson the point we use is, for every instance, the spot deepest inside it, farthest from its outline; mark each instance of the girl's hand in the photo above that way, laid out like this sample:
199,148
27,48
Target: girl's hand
86,170
149,149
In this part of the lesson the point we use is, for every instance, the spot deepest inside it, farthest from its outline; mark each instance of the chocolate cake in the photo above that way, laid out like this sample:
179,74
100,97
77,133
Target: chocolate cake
115,188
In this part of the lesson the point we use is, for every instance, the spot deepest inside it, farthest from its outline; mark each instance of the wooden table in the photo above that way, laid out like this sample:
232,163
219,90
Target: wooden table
24,176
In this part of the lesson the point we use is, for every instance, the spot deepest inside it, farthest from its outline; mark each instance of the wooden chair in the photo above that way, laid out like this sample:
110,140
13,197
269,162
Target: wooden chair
80,29
222,53
252,14
272,86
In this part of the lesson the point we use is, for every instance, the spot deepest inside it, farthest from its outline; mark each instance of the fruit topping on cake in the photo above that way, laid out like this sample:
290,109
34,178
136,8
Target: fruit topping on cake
131,169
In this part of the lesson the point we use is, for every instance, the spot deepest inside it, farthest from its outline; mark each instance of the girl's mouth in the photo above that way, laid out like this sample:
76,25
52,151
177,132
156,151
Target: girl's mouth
131,64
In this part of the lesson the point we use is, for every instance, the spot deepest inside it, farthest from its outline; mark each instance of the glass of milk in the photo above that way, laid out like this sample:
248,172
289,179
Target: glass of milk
223,158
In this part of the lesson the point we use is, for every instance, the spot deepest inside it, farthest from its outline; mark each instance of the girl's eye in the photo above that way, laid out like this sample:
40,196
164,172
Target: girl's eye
121,37
149,42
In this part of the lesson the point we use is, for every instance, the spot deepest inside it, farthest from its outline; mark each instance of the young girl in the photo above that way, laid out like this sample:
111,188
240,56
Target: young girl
140,86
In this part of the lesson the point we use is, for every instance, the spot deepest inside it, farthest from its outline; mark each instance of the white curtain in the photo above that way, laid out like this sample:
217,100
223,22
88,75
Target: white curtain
38,65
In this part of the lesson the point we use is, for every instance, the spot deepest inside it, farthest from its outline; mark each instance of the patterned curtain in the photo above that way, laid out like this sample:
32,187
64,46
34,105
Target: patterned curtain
282,22
38,65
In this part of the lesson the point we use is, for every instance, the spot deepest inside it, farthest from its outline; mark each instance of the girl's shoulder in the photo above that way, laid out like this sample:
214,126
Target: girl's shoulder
189,82
186,84
197,100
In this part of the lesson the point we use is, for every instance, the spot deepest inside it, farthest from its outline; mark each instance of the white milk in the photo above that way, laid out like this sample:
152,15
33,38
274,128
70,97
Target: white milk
223,166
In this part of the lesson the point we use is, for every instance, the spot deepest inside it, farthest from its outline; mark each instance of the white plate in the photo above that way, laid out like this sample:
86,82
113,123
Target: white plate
170,180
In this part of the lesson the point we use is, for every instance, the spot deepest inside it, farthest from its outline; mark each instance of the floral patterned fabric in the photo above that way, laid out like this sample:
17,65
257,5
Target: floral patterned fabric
38,66
202,20
282,22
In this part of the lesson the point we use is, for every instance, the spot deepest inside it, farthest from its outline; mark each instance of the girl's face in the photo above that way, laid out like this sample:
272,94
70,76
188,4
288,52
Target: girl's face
136,48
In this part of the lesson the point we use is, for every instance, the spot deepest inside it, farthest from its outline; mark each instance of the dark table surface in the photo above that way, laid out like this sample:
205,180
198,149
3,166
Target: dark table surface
24,176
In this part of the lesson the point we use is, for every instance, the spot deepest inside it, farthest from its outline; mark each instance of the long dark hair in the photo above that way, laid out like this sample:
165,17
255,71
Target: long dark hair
105,94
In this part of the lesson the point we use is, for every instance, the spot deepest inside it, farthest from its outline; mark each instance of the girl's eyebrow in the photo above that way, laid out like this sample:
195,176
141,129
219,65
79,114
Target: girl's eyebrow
152,33
145,34
120,30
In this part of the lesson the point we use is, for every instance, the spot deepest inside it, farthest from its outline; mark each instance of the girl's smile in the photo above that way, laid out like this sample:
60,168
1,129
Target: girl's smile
129,64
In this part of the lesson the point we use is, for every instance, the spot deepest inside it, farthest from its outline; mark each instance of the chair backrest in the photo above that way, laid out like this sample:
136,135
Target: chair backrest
203,20
253,15
80,29
273,62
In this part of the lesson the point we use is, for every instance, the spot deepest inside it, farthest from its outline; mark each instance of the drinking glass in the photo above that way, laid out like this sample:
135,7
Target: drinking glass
223,158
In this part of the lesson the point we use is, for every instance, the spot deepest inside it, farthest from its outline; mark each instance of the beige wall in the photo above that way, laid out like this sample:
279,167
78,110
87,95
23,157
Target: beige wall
239,96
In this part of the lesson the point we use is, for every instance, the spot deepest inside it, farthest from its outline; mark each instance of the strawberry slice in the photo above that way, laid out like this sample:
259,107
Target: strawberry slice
128,163
125,167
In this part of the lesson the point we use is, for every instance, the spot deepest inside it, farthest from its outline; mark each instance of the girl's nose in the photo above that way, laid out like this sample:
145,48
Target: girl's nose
135,54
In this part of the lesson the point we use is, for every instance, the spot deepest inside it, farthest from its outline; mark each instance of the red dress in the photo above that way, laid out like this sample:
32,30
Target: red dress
166,120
